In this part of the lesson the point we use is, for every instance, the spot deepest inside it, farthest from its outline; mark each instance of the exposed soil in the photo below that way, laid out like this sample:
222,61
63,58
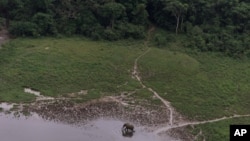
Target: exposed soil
4,36
68,112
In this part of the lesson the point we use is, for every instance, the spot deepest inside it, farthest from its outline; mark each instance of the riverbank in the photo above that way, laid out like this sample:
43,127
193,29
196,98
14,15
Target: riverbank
158,87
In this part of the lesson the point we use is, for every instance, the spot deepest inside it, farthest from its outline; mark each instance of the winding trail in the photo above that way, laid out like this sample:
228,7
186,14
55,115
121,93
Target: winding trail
164,129
166,103
136,75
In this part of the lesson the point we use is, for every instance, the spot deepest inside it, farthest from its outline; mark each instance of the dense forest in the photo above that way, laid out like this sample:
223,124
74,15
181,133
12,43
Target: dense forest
210,25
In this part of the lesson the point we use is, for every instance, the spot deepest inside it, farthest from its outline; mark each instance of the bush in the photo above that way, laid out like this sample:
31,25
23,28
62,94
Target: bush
111,35
160,40
188,27
69,29
23,29
196,31
44,23
128,30
200,43
96,32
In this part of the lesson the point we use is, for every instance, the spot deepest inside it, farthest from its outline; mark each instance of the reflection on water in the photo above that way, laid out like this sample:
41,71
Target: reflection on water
34,128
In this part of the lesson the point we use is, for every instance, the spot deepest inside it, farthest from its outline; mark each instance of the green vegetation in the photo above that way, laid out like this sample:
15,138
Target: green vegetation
199,59
202,86
61,66
146,98
209,25
199,85
218,131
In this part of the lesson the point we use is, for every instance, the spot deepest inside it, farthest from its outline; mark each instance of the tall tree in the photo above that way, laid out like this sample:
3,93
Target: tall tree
241,16
8,9
178,9
136,11
112,11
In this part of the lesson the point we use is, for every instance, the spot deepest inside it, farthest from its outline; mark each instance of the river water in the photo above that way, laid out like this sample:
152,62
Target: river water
35,128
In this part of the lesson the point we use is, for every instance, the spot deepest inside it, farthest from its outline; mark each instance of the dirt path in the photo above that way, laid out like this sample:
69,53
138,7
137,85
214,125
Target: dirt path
136,75
166,103
3,36
164,129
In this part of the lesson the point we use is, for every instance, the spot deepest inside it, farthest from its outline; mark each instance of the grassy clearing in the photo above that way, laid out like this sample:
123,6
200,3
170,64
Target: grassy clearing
60,66
202,86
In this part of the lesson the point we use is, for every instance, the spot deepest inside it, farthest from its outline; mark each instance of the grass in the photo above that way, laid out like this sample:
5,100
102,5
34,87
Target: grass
202,86
218,131
60,66
145,97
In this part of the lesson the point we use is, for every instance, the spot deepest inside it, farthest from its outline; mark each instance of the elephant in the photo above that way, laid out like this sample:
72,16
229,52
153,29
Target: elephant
127,127
128,130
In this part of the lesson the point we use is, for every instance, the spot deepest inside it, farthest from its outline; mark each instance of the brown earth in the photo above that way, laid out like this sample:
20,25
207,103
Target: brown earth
73,113
151,117
4,36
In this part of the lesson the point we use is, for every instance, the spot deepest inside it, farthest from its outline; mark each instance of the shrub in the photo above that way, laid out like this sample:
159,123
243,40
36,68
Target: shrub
160,40
23,29
111,35
44,23
128,30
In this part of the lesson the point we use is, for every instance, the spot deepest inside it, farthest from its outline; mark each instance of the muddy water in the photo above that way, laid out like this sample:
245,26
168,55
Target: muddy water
34,128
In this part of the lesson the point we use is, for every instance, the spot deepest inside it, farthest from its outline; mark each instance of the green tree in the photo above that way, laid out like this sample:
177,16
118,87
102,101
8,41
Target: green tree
45,23
136,11
178,9
241,16
23,29
112,11
8,9
140,15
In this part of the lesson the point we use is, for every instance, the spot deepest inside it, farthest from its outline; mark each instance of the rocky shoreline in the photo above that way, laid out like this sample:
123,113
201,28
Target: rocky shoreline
73,113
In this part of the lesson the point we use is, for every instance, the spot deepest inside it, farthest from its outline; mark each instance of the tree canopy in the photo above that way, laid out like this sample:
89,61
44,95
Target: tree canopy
211,25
